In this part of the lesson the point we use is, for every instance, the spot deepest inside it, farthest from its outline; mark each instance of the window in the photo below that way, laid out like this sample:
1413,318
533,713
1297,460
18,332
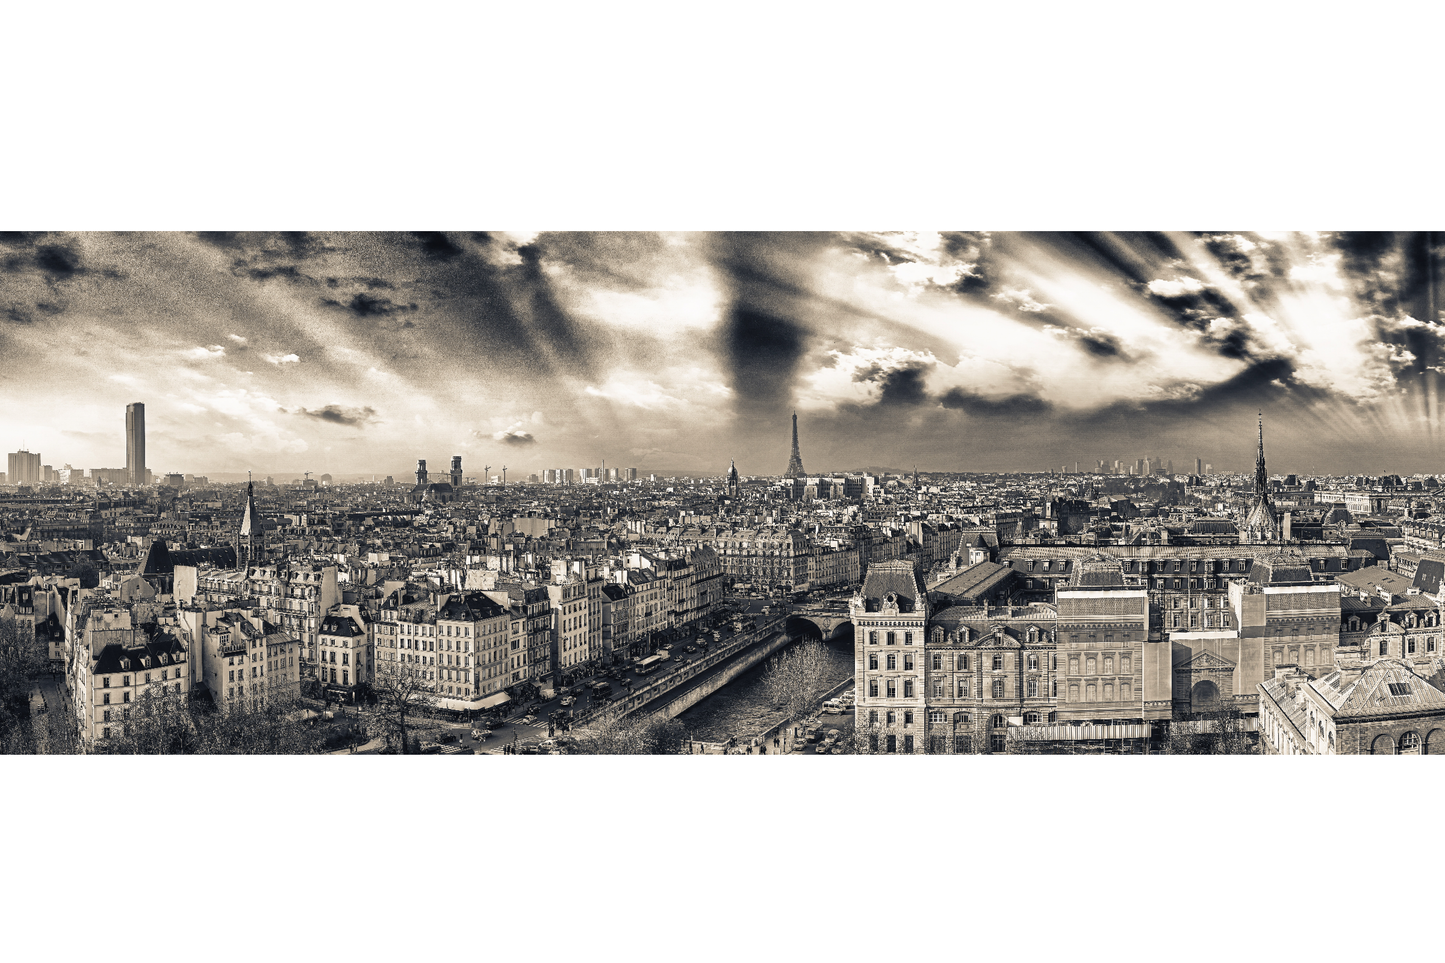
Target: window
1034,663
1126,690
125,697
908,743
892,689
1074,692
1409,648
961,744
1054,691
892,717
935,717
1108,692
998,688
1033,688
997,662
872,688
892,743
908,662
962,662
908,688
873,717
1091,666
892,661
998,722
872,660
937,662
907,638
938,690
1399,688
1091,693
1430,643
1108,665
963,688
1126,664
105,699
1031,718
1073,665
872,638
1384,647
107,682
892,638
908,717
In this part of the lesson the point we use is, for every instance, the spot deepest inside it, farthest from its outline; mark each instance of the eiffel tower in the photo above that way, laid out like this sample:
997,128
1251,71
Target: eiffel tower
795,461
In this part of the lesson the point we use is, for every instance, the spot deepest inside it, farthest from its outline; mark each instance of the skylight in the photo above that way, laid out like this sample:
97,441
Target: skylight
1399,688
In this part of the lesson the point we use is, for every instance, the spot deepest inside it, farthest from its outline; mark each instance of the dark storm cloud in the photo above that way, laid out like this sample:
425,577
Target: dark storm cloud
371,284
286,272
1019,404
1396,275
339,415
514,439
1261,385
765,331
367,306
437,246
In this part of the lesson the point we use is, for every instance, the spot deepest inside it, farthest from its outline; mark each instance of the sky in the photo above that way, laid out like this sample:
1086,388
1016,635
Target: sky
354,352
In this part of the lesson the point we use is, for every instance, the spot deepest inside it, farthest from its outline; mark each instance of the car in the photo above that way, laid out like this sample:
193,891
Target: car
529,718
448,737
568,700
529,751
480,735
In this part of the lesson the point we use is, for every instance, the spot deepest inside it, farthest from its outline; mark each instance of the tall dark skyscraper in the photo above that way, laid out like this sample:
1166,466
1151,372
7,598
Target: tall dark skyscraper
135,443
795,461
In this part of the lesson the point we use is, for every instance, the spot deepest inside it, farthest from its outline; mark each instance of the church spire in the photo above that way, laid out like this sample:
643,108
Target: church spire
1261,477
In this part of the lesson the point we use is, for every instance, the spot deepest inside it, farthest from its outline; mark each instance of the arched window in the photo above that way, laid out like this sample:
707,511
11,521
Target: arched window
1108,692
1309,656
1410,744
1091,665
998,688
1091,693
1074,692
1435,742
1126,691
1384,647
1382,746
1073,665
1108,665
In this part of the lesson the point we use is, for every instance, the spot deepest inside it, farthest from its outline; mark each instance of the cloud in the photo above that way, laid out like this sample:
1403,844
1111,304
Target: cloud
281,358
1022,300
514,436
214,351
338,415
367,306
238,339
1175,288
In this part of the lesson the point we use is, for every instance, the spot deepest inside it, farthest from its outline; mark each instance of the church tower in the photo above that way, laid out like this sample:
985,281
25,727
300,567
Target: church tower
733,479
1262,525
456,471
795,461
251,536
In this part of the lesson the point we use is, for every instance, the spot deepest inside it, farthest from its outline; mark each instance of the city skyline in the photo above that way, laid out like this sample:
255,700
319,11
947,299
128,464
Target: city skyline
360,353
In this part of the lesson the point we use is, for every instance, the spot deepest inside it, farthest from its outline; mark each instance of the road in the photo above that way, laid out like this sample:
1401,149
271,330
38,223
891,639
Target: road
519,733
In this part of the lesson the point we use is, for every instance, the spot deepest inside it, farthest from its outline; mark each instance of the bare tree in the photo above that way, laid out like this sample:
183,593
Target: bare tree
400,694
20,662
796,678
1221,731
612,734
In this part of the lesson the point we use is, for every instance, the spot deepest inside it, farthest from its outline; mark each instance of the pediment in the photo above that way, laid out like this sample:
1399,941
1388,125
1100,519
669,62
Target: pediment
1206,661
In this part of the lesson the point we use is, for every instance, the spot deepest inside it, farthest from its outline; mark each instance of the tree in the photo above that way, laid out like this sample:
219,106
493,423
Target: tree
796,678
86,571
1221,731
612,734
399,694
20,662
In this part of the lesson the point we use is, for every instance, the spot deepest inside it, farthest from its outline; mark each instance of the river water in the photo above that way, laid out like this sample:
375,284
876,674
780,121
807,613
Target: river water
740,707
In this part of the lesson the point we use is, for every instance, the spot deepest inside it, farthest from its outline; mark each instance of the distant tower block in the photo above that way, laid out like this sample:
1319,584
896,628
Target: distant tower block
421,471
456,471
795,461
135,443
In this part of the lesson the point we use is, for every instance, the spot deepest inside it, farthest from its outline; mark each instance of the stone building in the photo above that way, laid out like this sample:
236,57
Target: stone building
1382,709
1103,634
890,621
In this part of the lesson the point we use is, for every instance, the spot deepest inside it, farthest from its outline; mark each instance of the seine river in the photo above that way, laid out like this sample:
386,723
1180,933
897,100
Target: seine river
740,708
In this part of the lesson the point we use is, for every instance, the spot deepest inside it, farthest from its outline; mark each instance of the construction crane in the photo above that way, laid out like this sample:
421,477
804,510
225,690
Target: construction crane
486,479
307,474
504,476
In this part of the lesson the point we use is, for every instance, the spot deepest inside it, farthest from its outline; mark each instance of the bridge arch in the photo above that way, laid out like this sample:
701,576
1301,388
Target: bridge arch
825,628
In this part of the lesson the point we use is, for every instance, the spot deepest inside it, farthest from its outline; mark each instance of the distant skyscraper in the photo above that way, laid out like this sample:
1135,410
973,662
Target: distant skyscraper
1198,466
135,443
795,461
24,468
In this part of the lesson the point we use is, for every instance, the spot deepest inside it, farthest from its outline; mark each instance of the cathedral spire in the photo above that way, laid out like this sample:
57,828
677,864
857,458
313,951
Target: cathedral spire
1261,477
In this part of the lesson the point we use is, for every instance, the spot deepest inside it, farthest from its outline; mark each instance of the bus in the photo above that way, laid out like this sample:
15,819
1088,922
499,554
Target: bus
650,664
600,691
